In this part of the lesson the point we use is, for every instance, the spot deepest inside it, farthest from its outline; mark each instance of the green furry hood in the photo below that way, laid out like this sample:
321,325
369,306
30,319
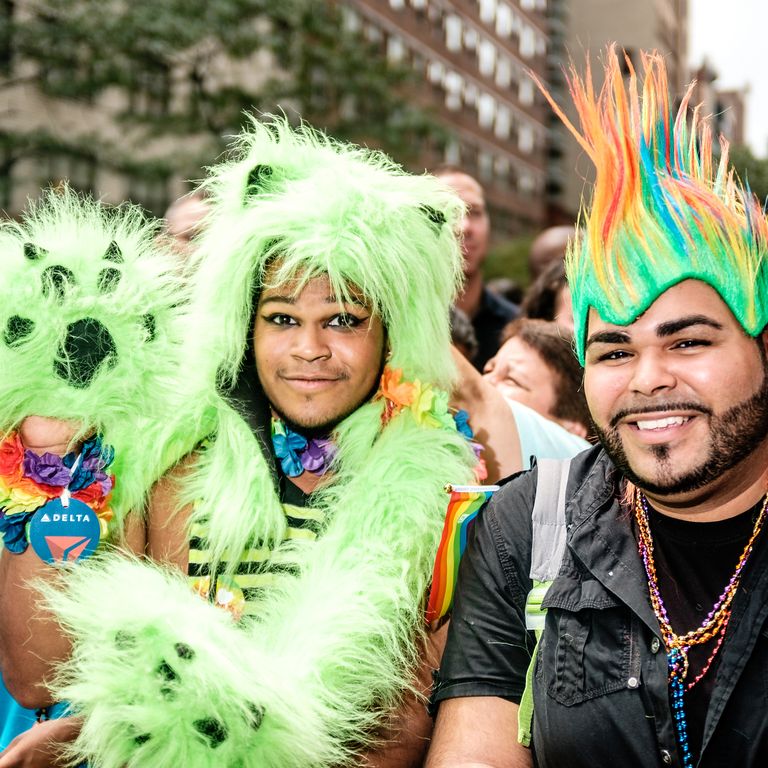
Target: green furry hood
92,317
329,208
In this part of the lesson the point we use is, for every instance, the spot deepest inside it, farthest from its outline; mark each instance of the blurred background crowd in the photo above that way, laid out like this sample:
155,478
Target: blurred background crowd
131,101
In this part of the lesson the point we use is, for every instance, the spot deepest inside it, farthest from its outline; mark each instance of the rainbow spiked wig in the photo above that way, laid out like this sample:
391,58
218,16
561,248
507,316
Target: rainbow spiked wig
664,209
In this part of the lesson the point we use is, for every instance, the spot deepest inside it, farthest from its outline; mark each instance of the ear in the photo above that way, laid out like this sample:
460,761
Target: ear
113,253
258,176
34,252
436,218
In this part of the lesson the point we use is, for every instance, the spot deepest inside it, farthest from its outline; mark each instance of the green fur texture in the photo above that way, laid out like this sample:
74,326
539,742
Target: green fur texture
314,678
75,273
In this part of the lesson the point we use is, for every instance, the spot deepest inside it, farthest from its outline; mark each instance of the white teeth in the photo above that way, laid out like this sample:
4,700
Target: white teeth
670,421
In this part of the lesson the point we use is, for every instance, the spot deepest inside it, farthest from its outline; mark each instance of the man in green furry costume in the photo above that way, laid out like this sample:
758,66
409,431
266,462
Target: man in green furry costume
321,311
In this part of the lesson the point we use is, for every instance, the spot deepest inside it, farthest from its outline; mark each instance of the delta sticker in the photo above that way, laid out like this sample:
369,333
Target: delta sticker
60,534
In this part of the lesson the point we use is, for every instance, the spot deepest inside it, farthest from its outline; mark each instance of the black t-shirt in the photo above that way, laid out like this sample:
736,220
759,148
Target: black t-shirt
694,564
494,313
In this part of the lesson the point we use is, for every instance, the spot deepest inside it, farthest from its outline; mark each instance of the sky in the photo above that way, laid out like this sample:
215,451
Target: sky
733,36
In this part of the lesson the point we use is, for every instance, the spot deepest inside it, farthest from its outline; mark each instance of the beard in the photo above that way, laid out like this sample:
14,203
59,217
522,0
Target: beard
734,435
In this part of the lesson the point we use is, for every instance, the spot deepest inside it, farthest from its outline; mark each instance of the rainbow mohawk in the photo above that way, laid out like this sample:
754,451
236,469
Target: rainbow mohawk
662,211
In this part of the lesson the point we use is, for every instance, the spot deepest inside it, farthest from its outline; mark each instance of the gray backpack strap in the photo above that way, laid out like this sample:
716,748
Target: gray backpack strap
548,517
547,550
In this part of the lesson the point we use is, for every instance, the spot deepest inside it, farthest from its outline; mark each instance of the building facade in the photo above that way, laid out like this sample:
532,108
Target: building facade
581,28
472,58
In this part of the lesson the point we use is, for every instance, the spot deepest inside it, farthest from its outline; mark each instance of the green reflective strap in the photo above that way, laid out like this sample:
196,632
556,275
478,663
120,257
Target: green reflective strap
534,621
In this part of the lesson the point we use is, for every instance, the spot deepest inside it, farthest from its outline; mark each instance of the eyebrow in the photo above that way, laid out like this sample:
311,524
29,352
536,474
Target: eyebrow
280,298
663,330
608,337
675,326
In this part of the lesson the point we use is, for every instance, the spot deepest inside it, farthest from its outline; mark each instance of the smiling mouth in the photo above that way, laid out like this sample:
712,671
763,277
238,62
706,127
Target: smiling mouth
649,425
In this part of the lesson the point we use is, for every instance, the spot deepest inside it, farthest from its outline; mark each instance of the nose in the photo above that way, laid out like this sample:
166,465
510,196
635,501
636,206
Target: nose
310,343
87,345
651,374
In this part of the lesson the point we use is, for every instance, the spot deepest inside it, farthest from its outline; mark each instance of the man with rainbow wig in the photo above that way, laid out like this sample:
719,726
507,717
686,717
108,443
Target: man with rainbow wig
613,611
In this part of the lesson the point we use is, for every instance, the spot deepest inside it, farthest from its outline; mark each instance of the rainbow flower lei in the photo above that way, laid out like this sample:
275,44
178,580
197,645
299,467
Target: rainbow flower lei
429,406
28,481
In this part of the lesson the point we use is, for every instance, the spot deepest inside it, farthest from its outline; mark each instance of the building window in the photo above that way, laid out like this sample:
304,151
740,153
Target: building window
486,110
525,139
485,165
150,89
6,36
488,11
454,85
503,72
395,49
525,91
504,20
453,32
350,19
397,5
6,173
150,192
470,38
503,123
435,72
527,42
452,153
486,57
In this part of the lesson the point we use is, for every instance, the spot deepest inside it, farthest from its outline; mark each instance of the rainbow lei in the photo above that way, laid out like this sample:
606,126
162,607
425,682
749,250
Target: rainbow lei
713,626
429,406
28,481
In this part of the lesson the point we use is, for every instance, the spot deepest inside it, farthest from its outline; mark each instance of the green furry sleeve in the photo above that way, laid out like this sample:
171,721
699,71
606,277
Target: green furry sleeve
163,680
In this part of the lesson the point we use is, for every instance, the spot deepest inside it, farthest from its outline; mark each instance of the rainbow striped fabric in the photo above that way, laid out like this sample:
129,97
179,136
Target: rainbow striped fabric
465,503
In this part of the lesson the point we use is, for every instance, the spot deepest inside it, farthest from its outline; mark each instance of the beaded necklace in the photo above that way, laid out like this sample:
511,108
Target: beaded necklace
713,626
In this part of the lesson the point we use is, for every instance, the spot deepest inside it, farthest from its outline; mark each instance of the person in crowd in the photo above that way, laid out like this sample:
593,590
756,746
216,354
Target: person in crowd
537,373
488,311
462,333
649,596
549,297
93,320
183,222
548,247
309,517
536,366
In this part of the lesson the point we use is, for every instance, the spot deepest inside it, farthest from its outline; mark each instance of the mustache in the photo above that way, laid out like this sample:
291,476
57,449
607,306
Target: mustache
658,408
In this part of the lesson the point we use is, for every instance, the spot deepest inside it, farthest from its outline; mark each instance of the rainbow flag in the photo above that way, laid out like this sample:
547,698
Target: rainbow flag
463,506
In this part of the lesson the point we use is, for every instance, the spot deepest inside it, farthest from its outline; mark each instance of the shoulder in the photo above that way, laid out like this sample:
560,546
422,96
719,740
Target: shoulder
499,306
542,437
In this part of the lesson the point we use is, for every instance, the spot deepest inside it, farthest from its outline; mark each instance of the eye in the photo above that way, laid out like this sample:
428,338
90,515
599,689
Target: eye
280,319
615,354
345,320
691,344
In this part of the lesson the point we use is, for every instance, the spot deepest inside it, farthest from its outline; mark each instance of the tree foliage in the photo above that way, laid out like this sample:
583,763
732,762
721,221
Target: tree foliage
175,60
751,170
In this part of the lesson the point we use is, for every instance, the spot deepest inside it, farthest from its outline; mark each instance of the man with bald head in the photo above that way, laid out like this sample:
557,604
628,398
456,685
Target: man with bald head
548,246
488,311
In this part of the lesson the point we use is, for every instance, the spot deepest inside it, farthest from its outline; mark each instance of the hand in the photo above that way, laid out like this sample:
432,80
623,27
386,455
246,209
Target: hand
43,435
41,746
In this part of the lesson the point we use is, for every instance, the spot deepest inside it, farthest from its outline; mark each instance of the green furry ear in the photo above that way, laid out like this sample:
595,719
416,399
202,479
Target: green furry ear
436,217
257,177
114,253
34,252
